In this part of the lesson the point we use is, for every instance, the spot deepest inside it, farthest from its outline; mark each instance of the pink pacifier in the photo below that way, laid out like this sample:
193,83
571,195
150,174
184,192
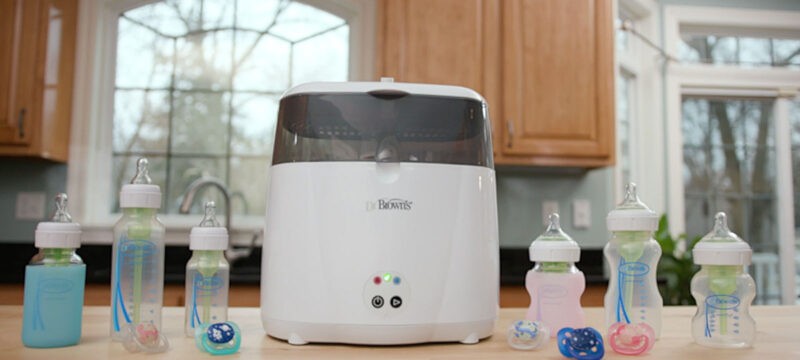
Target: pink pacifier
631,339
144,337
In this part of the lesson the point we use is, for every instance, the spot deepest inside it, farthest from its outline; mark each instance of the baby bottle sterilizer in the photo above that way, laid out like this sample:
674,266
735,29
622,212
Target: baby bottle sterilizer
381,224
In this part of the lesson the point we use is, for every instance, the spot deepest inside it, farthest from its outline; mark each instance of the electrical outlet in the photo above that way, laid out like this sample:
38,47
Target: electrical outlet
31,205
581,214
548,207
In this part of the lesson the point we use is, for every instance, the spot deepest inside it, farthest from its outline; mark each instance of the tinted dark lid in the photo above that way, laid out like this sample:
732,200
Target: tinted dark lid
383,122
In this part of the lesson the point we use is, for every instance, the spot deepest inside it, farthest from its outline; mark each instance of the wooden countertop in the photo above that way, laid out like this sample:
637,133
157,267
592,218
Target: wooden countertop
778,338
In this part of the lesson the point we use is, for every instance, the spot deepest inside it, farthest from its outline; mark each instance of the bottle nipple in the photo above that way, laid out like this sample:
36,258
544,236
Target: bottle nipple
61,215
142,173
721,224
631,200
554,227
721,232
210,218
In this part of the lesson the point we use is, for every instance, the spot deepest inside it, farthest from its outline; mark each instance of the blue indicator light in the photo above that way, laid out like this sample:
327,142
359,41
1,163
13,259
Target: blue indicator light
397,280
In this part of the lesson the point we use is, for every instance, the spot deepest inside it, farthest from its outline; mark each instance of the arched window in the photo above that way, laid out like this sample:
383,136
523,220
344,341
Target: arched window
194,86
198,83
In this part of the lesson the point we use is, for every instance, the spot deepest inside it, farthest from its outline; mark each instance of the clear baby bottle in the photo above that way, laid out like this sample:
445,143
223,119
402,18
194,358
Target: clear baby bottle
207,274
632,255
137,263
555,284
54,284
723,290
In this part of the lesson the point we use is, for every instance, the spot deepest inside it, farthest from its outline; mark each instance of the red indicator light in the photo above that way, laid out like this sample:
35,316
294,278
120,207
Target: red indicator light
377,280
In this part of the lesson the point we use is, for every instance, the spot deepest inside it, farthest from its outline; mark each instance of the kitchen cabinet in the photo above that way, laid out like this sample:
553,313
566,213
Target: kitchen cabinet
37,57
545,67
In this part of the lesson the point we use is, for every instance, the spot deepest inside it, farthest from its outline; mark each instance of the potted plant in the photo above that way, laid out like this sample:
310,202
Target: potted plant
676,265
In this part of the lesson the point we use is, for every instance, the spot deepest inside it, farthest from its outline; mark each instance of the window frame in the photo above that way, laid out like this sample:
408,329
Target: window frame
90,159
709,79
643,66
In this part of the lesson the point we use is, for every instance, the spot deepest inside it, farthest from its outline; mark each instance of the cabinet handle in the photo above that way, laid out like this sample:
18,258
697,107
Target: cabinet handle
21,123
510,126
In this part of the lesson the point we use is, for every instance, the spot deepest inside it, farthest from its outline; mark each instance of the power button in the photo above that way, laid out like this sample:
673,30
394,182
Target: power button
377,302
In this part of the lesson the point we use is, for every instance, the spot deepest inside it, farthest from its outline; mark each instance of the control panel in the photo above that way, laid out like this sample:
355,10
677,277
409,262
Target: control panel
386,292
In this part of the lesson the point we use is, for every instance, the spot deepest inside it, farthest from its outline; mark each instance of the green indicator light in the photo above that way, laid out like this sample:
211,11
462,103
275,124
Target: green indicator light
387,277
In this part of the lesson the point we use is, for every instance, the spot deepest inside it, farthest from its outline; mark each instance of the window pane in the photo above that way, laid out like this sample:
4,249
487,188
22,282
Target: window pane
124,169
624,111
794,118
200,123
734,174
183,171
697,215
754,51
621,36
787,52
198,84
696,125
254,123
140,121
299,21
262,63
160,17
740,51
256,14
321,58
145,56
203,61
249,185
697,174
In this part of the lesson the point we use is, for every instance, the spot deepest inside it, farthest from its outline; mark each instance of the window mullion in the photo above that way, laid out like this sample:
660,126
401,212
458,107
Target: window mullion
785,202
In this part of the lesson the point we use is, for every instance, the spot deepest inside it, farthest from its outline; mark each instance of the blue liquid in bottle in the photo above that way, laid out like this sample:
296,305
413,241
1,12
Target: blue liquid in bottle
53,305
54,282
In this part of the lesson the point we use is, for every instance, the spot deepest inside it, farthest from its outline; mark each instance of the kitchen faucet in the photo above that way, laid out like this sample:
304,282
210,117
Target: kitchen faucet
188,199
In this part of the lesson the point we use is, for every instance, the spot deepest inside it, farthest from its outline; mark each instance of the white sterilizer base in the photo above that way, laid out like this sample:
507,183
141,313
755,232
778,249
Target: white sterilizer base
380,253
466,333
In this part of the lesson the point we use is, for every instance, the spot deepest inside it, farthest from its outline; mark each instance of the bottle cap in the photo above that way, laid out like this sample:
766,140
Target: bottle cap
554,245
632,214
60,231
140,193
209,235
721,246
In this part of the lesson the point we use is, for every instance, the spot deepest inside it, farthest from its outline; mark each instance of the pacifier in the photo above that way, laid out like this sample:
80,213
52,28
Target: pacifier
144,337
582,344
631,339
218,339
527,335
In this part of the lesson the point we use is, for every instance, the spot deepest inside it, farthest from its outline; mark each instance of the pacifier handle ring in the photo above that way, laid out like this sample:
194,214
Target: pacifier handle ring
237,341
163,344
647,336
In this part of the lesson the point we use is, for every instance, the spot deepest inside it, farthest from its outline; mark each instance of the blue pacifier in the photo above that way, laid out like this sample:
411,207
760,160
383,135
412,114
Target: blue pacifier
218,339
527,335
581,344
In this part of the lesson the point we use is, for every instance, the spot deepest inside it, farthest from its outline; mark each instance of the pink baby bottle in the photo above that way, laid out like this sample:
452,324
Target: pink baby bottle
555,284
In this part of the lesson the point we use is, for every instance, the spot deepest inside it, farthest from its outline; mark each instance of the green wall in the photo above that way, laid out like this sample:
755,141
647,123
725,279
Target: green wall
520,193
26,175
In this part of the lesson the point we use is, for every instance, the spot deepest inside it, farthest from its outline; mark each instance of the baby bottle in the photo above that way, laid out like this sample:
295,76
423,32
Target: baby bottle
137,263
555,284
207,274
632,303
54,282
723,290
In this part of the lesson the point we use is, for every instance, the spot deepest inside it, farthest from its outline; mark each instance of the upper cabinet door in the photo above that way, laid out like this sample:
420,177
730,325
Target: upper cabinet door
451,42
558,83
17,68
442,41
37,60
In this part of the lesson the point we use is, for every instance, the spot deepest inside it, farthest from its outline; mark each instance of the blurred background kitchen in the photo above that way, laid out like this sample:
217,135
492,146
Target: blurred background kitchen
695,101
